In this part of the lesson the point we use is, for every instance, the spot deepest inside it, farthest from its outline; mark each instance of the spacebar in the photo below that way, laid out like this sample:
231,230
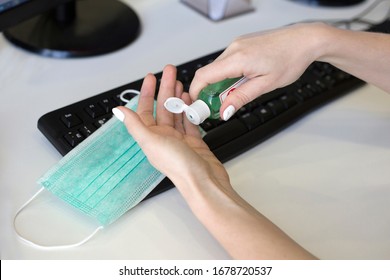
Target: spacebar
224,133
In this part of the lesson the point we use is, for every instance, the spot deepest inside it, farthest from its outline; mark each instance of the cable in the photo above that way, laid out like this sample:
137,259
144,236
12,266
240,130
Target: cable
357,19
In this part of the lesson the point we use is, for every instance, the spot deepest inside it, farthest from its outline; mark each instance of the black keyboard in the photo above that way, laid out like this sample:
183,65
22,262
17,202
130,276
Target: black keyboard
321,83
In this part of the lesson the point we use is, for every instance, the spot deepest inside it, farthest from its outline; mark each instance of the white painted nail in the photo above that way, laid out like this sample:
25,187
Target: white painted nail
118,114
228,113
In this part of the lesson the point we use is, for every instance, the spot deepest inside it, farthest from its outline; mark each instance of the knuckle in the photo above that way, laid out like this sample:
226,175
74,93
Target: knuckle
240,98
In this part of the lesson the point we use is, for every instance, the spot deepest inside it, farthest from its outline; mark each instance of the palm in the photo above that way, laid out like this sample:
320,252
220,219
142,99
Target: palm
171,143
170,147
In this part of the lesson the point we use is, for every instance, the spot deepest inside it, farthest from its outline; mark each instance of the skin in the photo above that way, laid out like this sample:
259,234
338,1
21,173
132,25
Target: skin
271,60
174,146
276,58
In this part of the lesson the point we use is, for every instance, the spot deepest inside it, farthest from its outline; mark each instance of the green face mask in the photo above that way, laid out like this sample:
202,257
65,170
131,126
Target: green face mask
104,176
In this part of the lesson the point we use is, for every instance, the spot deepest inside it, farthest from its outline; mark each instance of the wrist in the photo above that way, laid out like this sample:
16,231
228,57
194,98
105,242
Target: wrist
326,39
317,38
203,192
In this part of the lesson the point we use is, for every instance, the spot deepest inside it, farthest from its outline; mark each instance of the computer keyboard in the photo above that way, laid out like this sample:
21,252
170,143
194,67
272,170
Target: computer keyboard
321,83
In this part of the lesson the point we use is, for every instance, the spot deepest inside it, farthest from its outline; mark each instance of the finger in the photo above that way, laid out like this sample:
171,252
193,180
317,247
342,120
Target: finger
189,128
145,107
178,118
212,73
244,94
166,90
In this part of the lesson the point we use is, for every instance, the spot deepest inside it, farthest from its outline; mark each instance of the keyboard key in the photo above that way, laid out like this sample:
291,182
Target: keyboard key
87,129
250,120
70,120
224,133
276,107
314,89
209,124
94,110
288,100
320,84
340,76
302,94
329,81
243,111
185,75
107,104
74,138
263,113
101,121
317,70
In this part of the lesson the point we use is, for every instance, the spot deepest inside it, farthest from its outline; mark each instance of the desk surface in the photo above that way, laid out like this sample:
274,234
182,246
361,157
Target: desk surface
324,180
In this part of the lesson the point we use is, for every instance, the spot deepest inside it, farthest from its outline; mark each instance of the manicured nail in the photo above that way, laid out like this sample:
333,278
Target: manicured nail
229,111
118,114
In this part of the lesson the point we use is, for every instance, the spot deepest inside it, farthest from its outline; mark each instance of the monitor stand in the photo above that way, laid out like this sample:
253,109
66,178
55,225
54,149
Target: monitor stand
78,29
330,3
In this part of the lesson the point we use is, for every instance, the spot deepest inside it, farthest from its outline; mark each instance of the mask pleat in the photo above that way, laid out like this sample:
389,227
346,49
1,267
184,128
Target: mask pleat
95,164
113,180
104,176
136,184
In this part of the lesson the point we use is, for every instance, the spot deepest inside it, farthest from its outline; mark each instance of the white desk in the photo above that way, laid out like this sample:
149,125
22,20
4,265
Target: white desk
324,180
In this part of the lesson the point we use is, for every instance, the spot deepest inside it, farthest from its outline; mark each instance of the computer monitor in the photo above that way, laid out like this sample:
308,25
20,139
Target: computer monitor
68,28
330,3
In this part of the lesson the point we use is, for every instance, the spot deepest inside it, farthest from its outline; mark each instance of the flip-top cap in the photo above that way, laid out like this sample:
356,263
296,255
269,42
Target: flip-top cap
196,113
175,105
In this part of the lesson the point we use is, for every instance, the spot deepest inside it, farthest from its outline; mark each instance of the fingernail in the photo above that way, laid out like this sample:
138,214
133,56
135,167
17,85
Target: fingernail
118,114
229,111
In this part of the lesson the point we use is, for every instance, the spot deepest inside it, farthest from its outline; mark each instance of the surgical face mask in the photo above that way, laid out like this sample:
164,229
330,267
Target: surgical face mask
104,176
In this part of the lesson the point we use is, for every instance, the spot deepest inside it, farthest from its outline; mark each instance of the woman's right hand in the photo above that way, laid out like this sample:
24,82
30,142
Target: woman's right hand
270,60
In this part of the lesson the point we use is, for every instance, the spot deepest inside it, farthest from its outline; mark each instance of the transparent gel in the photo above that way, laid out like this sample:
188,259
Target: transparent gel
213,95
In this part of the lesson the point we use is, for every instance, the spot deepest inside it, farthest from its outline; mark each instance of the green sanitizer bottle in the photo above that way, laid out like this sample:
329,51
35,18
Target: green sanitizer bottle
208,103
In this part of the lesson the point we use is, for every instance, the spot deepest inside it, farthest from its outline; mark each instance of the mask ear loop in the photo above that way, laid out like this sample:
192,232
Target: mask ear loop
55,247
130,91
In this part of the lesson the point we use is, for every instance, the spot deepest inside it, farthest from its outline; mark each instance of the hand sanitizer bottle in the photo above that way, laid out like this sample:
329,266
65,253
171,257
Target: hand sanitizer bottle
208,103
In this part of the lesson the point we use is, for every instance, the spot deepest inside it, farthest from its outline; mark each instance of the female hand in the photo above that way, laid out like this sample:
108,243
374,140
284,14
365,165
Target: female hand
270,60
174,146
171,143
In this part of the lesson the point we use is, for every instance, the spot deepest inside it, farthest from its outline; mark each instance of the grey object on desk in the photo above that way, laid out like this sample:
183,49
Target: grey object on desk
220,9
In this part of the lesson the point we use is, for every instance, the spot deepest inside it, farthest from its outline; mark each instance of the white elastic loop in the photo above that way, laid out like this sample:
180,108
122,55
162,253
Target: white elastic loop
121,96
45,247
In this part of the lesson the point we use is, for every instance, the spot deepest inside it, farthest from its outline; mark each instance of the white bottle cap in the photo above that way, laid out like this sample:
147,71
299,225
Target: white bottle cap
196,113
175,105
